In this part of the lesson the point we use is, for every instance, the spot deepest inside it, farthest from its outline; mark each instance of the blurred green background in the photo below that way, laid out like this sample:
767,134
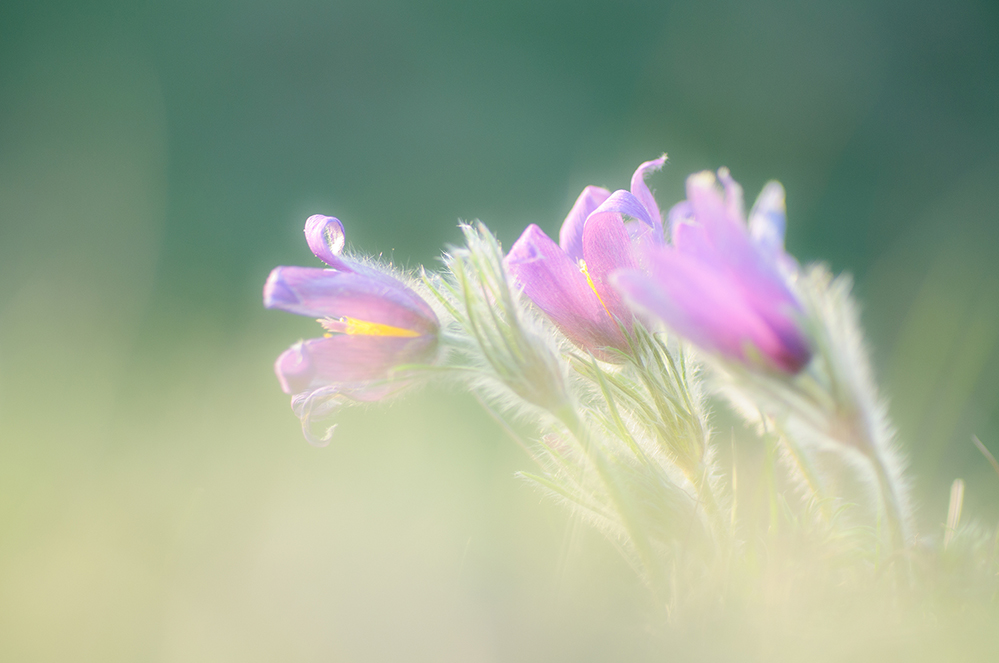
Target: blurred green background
157,501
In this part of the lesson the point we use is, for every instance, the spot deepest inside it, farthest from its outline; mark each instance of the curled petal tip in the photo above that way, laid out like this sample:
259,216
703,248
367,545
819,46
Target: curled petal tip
640,190
625,202
651,166
326,238
294,369
314,410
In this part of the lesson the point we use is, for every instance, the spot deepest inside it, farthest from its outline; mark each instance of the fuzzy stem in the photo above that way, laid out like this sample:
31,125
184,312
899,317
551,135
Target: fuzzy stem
580,431
770,481
892,504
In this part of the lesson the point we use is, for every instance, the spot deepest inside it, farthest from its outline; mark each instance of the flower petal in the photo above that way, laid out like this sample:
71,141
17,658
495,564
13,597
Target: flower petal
641,191
768,220
710,309
733,195
731,247
555,284
624,202
350,362
326,238
369,296
708,206
570,236
689,237
607,246
694,301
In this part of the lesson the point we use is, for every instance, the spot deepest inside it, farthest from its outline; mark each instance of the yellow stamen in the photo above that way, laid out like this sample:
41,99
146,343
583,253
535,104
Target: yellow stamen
593,286
355,327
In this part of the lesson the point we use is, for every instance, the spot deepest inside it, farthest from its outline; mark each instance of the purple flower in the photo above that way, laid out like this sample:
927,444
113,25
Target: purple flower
569,281
373,324
721,284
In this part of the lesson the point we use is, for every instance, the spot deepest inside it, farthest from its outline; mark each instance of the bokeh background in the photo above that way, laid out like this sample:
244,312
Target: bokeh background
157,501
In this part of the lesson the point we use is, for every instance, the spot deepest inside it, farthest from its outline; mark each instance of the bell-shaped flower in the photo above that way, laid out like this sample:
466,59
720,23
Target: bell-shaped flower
570,281
373,324
723,284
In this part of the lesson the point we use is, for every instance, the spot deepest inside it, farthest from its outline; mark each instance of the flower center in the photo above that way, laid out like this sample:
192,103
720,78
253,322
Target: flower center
355,327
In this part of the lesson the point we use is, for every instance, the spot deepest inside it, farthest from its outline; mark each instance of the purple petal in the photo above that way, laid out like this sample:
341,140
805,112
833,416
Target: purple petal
682,212
708,205
768,219
326,238
347,361
369,296
641,190
717,285
623,202
688,236
727,233
699,303
607,246
555,284
710,309
733,195
692,239
694,302
570,237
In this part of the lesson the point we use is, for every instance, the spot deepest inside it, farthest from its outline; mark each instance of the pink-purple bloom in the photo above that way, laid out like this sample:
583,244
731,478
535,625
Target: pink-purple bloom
723,284
570,281
373,324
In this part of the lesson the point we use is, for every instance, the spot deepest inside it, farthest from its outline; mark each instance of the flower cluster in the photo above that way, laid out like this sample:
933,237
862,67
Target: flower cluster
719,283
591,339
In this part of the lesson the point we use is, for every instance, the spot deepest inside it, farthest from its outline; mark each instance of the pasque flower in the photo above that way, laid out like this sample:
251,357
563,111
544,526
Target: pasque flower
723,284
373,323
569,281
